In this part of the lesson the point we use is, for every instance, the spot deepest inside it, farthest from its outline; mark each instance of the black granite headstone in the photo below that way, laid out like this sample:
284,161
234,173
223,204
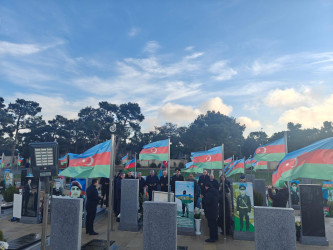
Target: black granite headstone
312,215
259,185
24,241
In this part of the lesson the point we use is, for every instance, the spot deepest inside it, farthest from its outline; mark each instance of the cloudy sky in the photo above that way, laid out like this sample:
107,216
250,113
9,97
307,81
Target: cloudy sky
263,62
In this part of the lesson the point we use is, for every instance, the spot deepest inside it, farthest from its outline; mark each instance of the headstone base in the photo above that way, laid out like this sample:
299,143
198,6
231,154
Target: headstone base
129,227
312,240
244,236
29,220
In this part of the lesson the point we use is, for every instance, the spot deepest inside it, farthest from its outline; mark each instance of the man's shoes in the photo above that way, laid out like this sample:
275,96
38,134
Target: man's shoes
93,233
210,240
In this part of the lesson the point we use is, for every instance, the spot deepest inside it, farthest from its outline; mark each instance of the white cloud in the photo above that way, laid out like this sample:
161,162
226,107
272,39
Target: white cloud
189,48
151,47
249,123
215,104
221,71
259,68
17,49
288,97
309,116
134,32
178,90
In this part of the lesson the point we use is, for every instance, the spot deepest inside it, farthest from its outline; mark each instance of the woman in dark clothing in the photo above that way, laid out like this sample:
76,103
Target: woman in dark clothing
281,197
220,220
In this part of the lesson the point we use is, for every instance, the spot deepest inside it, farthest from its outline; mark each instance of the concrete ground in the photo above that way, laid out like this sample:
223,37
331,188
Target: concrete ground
133,240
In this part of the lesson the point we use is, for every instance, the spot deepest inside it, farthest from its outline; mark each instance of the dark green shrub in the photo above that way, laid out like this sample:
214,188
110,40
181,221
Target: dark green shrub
8,195
1,236
330,209
181,165
138,165
153,165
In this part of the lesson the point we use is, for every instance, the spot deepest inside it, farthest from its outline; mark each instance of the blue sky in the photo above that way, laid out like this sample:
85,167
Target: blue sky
263,62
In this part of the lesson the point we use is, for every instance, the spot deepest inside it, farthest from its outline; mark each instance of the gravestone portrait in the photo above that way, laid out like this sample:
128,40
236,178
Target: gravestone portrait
30,197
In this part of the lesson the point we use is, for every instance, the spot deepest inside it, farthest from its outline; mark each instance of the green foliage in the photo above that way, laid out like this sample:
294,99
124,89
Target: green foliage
153,165
181,165
1,236
8,195
258,199
330,208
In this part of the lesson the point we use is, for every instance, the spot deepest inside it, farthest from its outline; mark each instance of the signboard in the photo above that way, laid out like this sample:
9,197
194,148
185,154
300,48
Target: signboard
243,205
162,196
184,192
8,178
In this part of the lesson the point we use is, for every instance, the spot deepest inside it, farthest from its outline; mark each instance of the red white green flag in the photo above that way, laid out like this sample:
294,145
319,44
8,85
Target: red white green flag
158,150
211,159
259,165
314,161
2,162
235,168
273,151
63,160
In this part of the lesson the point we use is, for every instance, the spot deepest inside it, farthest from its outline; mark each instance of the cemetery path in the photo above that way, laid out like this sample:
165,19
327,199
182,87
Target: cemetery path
133,240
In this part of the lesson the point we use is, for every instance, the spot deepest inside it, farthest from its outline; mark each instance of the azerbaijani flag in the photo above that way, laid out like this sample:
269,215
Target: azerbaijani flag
19,160
158,150
191,168
63,160
259,165
236,167
273,151
130,164
314,161
249,163
2,160
211,159
227,161
93,163
226,168
164,164
124,159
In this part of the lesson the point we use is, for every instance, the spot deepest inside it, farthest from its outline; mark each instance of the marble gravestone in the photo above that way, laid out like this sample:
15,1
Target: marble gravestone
129,205
159,225
275,228
312,215
259,185
66,227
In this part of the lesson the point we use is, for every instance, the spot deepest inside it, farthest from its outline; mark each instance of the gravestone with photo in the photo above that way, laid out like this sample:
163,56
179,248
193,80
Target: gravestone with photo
312,215
129,206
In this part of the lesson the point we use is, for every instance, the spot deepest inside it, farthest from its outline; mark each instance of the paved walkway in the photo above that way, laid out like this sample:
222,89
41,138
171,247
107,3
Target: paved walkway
133,240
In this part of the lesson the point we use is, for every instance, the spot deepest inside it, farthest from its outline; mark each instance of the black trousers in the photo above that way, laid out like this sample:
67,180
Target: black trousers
213,232
90,217
105,193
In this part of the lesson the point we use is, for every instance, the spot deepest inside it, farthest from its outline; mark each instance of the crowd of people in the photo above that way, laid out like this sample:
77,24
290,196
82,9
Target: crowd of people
209,194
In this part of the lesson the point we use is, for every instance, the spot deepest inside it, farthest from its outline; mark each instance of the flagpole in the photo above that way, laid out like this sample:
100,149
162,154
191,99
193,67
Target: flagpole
169,200
135,166
286,149
111,180
223,188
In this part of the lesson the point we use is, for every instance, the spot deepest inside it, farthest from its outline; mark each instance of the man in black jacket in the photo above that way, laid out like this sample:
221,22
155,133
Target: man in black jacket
281,197
105,190
152,182
91,206
176,177
118,193
142,184
203,179
210,201
213,181
164,182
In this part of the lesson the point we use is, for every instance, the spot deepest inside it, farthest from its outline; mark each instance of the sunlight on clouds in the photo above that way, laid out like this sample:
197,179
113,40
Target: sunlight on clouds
221,71
311,116
215,104
288,97
249,123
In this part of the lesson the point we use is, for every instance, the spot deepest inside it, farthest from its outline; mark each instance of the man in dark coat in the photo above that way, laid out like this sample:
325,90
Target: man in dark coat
26,195
243,207
210,201
281,197
203,179
195,183
129,175
152,182
105,190
226,190
176,177
214,182
118,193
142,184
164,182
91,206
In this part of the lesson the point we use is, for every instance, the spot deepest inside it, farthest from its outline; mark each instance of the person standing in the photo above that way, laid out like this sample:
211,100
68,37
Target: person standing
118,193
26,195
152,182
226,190
281,197
210,201
243,207
213,181
176,177
164,182
105,190
142,184
129,175
195,183
203,179
242,178
91,206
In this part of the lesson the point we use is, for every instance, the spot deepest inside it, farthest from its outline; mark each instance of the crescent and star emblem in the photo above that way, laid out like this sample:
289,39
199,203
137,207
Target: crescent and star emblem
208,158
261,150
153,150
